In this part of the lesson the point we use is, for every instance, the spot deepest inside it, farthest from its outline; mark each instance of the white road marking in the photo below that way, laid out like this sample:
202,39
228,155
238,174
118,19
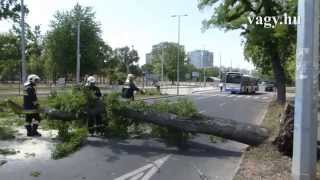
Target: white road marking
265,98
248,96
256,97
213,95
222,104
201,112
232,96
136,174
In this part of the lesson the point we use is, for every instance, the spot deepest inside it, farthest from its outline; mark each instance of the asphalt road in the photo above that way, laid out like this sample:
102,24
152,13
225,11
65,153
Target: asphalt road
144,159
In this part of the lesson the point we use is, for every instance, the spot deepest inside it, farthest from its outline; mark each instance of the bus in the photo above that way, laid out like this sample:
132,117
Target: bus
236,82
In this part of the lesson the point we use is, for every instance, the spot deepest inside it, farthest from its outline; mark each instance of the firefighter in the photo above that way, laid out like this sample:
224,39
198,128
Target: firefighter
31,105
95,108
129,88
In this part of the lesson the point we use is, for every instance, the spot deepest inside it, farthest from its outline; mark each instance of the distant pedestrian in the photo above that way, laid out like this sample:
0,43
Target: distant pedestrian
31,105
221,86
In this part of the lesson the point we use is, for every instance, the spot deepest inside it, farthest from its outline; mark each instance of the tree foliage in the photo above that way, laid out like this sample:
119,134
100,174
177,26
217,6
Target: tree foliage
10,9
127,58
169,54
270,49
62,42
9,56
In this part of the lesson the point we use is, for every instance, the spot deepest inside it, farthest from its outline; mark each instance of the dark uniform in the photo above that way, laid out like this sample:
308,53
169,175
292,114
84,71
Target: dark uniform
30,105
94,110
128,90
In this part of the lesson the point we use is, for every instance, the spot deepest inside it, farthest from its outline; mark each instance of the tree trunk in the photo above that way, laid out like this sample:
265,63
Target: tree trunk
279,75
225,128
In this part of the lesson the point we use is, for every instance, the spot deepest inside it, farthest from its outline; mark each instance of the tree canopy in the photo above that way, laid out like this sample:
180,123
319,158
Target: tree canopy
62,42
269,49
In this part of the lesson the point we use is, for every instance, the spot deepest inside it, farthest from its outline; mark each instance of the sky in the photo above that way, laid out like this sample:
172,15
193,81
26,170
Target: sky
143,23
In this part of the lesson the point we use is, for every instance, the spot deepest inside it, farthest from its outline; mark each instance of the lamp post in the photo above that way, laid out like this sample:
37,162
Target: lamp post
178,58
23,45
306,99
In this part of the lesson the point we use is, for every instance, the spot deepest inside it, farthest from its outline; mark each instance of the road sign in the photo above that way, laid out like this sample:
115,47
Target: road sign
195,74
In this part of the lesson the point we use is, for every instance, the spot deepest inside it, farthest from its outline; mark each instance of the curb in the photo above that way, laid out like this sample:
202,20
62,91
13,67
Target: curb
242,156
201,91
163,97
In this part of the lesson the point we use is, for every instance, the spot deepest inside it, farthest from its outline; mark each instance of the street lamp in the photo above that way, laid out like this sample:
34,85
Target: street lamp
178,73
23,45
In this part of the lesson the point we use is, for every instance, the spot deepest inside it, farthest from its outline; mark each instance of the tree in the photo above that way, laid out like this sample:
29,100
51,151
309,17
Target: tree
9,56
268,48
169,53
126,58
35,51
148,68
10,9
62,42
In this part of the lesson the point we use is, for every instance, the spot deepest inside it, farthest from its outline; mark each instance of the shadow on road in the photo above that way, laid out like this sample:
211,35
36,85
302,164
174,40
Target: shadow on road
152,147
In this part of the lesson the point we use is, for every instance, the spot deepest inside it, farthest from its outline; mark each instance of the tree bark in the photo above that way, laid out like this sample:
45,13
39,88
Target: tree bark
225,128
279,75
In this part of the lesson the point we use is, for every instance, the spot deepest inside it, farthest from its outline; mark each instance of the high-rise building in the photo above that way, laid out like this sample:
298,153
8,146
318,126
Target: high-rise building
148,58
201,58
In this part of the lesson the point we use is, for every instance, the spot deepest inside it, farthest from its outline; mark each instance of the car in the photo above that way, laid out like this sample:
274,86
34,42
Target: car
269,86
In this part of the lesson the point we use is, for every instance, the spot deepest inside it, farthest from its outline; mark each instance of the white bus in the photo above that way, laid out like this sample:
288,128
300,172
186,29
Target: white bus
236,82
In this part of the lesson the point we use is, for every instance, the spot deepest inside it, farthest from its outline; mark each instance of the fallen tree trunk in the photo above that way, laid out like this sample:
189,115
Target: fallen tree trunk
229,129
225,128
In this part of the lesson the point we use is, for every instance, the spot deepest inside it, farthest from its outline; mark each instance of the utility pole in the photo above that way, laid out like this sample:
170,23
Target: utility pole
306,99
78,52
23,45
162,61
220,67
204,70
178,58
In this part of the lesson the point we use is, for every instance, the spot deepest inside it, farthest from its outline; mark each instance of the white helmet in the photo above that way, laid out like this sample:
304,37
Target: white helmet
91,79
130,76
32,78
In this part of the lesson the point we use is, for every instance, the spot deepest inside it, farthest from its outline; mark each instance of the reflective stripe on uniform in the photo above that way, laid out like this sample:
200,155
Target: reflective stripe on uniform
30,111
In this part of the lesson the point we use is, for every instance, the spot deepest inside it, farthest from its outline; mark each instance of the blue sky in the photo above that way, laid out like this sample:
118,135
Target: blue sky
143,23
